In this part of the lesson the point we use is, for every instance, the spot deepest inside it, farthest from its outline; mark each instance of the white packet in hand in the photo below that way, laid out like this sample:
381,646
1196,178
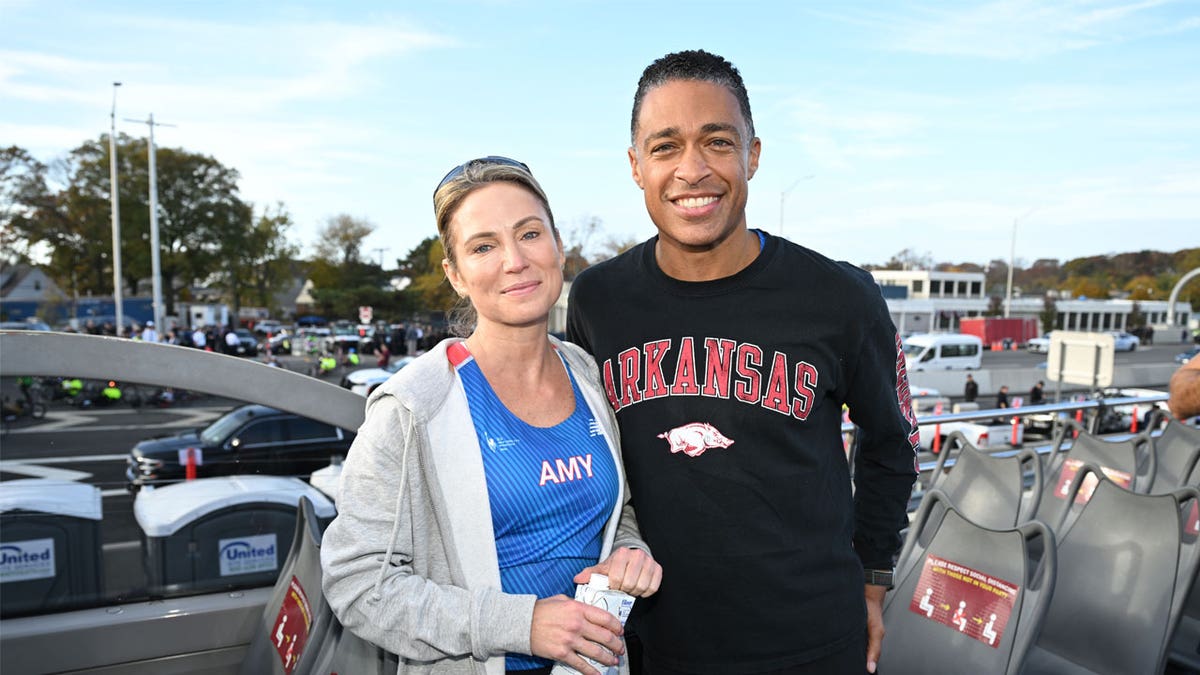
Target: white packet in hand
597,593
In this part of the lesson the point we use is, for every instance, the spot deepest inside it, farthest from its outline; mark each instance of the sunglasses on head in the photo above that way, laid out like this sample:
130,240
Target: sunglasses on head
490,159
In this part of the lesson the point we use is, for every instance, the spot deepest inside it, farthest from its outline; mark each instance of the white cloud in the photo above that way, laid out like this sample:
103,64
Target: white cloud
1023,29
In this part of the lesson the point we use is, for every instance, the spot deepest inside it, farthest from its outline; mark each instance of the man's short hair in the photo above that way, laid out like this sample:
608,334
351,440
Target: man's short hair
695,64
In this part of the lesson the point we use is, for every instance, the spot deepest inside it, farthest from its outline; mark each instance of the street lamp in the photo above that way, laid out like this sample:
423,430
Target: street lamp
1012,254
118,298
783,195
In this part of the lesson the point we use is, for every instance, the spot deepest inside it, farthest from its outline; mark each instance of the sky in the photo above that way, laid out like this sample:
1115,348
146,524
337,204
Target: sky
939,127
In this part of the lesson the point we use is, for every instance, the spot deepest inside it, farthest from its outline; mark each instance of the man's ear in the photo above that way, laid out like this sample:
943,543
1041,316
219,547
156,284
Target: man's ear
755,151
633,166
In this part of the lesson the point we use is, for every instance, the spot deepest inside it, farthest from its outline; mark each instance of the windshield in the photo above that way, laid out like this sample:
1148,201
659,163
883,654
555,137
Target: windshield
222,428
913,350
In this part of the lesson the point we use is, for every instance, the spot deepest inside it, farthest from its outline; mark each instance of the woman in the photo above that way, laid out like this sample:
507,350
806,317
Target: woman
486,480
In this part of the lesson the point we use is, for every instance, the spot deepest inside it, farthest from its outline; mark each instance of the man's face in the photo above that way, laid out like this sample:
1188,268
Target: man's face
693,158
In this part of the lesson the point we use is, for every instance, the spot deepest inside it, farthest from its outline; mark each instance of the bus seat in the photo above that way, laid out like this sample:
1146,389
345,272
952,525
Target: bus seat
297,618
986,489
967,598
1130,463
1185,645
1176,450
1132,564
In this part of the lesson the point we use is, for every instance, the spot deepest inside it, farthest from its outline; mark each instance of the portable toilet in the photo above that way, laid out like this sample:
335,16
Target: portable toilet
221,532
50,546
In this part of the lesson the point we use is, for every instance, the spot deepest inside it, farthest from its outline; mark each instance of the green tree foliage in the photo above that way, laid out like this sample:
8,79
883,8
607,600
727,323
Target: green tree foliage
1049,314
427,286
340,240
253,264
205,228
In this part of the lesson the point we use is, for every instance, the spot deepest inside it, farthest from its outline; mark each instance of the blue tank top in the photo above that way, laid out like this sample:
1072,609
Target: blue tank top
551,490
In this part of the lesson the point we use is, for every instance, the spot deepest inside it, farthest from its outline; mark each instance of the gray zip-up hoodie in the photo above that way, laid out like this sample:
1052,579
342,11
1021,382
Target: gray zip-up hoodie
410,561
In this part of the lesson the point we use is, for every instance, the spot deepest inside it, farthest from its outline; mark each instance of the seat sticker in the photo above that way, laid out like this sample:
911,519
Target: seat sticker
290,632
971,602
1067,475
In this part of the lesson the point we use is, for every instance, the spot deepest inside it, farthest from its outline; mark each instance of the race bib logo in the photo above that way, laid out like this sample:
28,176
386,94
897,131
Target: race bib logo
26,560
245,555
695,438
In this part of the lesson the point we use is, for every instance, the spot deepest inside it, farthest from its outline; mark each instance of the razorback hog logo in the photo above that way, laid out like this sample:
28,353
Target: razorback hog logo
693,439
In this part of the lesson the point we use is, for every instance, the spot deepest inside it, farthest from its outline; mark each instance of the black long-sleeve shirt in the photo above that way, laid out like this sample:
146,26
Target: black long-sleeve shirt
729,395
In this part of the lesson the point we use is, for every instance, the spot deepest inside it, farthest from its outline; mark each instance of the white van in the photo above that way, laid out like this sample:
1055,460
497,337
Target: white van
943,351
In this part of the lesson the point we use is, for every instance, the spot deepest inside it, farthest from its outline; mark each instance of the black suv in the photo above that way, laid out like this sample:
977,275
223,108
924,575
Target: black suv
247,440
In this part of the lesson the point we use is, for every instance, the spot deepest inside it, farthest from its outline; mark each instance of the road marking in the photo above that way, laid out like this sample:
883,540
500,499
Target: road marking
115,492
37,471
63,460
71,421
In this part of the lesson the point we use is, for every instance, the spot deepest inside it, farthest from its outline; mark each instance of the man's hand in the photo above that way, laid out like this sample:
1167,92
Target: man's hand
630,570
566,630
874,595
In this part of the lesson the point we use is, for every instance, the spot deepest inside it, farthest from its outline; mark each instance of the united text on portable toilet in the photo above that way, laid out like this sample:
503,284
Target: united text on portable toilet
50,546
220,532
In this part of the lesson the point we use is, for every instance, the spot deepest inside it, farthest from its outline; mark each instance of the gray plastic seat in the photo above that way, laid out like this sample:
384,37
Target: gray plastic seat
987,489
1175,451
297,619
920,637
1185,645
1131,565
1131,460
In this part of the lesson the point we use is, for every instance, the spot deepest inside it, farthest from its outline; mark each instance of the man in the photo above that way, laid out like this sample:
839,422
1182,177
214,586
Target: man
1002,397
1037,395
231,341
971,390
199,340
727,354
148,333
1185,390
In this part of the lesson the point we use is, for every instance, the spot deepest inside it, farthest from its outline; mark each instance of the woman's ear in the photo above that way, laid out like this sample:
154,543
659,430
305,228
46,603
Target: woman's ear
453,277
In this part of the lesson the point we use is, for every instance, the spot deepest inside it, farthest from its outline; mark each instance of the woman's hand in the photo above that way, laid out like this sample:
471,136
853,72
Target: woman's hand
630,570
563,629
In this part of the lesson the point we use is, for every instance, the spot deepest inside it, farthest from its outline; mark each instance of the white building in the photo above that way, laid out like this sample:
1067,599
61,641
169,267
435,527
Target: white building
927,301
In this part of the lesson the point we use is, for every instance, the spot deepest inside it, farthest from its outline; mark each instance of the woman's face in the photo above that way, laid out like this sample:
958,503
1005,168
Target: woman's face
507,259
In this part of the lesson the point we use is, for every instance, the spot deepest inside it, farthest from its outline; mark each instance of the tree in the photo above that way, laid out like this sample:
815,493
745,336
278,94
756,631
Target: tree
1049,314
908,259
66,206
429,289
995,306
1137,318
340,240
22,184
1142,287
256,263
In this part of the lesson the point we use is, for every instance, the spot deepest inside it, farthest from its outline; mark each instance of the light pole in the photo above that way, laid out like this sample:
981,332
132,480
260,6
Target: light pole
118,296
1012,254
783,195
155,264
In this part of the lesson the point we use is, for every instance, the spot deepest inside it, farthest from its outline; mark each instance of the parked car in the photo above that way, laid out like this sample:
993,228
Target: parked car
1039,345
1184,357
267,327
28,324
247,343
251,439
1124,342
363,382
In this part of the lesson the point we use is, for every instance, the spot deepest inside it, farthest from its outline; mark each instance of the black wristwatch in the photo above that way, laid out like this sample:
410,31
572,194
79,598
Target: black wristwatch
880,578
